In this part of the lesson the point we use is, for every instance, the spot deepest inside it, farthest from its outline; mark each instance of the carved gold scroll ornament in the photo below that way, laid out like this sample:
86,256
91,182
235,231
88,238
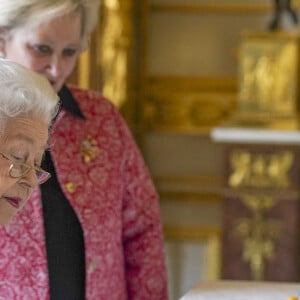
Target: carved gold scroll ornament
259,171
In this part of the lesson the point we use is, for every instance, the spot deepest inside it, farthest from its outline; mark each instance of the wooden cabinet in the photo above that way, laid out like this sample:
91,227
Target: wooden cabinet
260,239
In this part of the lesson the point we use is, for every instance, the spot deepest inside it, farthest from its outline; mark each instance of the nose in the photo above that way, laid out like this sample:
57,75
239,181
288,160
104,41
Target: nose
55,66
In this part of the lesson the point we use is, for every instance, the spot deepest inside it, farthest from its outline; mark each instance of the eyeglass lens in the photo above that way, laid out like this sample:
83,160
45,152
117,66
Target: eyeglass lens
18,170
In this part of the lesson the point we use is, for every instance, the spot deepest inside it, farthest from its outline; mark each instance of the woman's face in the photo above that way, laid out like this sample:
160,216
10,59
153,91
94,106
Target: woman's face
51,48
24,140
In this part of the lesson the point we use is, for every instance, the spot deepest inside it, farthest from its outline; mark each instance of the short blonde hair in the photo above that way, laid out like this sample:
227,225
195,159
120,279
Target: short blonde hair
16,13
24,92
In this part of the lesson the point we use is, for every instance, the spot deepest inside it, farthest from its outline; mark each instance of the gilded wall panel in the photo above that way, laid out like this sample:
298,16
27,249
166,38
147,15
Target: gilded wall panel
187,104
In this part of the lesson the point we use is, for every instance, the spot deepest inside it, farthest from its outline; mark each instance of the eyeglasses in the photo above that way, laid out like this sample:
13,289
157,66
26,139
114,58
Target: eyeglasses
19,170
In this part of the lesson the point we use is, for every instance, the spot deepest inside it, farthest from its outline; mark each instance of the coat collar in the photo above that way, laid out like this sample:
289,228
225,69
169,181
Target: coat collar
69,103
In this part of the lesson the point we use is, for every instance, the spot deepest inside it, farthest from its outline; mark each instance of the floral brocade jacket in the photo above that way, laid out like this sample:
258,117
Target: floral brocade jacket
103,176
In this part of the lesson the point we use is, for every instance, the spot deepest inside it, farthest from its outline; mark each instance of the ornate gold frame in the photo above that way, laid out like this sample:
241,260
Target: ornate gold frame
106,65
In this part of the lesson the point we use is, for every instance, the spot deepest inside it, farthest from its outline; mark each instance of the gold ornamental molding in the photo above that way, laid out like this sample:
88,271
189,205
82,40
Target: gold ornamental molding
188,233
197,189
188,105
217,8
106,65
117,39
221,84
259,234
189,196
259,170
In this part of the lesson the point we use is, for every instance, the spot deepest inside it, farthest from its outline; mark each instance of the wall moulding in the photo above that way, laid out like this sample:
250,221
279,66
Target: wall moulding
215,8
198,234
189,196
107,65
199,189
188,105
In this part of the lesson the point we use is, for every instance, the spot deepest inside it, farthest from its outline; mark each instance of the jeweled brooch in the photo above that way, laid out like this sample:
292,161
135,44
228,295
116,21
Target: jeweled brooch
89,149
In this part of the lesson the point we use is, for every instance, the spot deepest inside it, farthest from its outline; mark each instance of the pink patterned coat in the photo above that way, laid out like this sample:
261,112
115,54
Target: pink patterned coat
117,206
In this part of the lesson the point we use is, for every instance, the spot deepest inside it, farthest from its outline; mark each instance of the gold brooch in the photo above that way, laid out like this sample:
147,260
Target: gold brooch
89,149
71,187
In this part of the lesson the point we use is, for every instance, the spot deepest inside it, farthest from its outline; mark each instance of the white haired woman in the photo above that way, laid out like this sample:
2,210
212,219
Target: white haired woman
27,106
98,234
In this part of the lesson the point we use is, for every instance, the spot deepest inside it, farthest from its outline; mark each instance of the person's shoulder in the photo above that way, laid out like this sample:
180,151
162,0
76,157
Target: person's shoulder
87,99
82,94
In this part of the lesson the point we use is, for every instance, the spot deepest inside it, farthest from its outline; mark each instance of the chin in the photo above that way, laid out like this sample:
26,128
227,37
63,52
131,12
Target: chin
5,221
57,87
7,217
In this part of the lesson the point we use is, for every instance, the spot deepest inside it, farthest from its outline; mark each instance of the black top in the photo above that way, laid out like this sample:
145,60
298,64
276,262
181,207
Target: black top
64,236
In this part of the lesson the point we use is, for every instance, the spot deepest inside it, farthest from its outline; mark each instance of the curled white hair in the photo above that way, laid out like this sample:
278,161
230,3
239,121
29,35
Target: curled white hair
24,92
16,13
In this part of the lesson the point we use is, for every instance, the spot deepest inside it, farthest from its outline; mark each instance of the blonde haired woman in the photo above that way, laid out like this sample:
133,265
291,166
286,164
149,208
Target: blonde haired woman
97,234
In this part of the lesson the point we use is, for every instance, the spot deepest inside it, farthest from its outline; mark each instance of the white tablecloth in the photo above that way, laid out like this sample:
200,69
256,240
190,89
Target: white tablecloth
243,290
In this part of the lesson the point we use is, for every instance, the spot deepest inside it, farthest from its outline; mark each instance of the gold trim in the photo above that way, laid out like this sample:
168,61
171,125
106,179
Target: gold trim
213,258
283,194
199,84
259,234
84,70
213,8
187,104
116,46
184,233
260,170
89,70
188,196
198,189
192,180
106,65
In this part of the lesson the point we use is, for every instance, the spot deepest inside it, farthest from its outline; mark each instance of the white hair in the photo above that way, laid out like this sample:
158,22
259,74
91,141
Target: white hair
24,92
16,13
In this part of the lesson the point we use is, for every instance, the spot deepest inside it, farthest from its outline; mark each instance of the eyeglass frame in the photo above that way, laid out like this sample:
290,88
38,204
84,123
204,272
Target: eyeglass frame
28,168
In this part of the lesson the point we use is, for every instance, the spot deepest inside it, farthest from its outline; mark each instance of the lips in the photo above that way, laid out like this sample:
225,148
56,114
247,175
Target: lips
15,202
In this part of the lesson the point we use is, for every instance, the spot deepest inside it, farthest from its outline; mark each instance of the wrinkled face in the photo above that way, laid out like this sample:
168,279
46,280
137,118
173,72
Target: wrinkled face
51,48
23,140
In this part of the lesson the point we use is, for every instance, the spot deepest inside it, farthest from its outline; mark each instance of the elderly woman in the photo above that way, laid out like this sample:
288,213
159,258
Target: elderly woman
27,106
93,231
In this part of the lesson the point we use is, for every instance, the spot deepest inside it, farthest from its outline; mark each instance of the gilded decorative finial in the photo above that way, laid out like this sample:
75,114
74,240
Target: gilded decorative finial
259,234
